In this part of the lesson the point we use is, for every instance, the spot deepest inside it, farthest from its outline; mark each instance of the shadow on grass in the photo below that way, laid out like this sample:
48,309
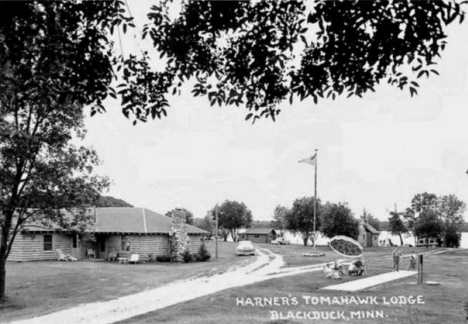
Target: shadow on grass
11,304
466,310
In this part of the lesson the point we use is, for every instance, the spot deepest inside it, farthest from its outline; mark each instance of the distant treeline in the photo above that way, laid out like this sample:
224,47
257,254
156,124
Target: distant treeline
108,201
384,226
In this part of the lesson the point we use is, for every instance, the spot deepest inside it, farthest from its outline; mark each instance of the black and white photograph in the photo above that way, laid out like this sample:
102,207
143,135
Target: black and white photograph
233,161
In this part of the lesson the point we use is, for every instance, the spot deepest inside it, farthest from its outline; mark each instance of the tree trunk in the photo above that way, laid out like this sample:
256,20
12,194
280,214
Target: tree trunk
2,278
305,239
401,238
5,235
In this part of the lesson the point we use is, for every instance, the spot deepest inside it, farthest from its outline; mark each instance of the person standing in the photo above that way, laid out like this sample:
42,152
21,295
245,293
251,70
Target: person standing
412,261
396,254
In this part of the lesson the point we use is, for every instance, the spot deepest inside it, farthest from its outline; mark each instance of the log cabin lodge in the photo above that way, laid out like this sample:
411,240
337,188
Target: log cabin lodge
137,230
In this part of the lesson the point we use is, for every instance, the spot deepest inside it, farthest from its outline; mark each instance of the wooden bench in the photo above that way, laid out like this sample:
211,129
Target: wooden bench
144,258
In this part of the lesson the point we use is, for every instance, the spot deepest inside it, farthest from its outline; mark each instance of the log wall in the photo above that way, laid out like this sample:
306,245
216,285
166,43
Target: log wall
146,244
30,247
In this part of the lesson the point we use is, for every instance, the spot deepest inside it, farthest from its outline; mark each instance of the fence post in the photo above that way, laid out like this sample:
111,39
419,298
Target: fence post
420,269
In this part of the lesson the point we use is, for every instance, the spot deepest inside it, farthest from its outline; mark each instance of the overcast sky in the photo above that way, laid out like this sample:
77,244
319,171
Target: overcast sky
374,152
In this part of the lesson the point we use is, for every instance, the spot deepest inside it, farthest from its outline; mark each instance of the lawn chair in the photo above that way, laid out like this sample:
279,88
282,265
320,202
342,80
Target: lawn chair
61,256
91,253
134,258
112,256
71,257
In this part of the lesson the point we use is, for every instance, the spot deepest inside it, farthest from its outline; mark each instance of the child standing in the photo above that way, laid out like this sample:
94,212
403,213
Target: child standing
412,261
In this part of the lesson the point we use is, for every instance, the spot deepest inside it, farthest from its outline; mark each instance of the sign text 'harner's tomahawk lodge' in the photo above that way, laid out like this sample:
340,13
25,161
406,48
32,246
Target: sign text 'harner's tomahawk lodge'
115,229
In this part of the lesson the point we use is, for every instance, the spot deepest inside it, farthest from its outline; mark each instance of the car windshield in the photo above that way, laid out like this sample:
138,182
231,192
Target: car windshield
245,244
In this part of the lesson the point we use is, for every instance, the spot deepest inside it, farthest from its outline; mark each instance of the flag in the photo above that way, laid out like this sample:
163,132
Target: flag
311,160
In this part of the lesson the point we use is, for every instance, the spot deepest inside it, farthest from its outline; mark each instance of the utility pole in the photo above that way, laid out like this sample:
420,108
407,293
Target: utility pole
216,243
315,198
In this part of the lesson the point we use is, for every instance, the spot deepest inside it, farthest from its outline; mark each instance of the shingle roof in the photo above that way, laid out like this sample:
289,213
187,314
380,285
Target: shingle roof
124,220
371,229
135,220
258,231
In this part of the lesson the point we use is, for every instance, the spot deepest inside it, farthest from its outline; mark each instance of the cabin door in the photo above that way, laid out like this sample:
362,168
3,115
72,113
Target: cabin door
369,240
76,248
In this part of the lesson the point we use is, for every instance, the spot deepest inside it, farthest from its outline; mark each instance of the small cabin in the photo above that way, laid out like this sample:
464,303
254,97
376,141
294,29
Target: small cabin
368,235
258,235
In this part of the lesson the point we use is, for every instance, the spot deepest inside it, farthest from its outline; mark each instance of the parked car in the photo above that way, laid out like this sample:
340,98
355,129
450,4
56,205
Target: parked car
280,241
245,248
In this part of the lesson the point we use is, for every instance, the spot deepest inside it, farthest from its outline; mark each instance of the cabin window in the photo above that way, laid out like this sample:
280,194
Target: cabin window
75,241
48,242
257,236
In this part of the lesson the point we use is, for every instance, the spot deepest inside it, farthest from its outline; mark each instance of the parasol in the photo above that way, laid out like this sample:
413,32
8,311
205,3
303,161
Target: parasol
347,247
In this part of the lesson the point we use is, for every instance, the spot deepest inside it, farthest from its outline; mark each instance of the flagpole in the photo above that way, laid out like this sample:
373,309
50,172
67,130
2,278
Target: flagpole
315,195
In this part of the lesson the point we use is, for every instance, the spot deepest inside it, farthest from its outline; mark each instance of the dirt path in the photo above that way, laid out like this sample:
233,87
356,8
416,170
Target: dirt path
266,266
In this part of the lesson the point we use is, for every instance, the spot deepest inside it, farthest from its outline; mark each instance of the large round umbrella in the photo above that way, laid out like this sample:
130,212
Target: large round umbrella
346,246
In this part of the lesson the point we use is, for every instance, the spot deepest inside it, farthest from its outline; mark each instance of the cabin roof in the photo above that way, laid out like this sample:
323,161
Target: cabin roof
259,231
371,229
123,220
135,220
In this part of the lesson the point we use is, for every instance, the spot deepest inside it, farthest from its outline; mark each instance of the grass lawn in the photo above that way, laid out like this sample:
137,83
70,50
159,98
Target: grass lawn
36,288
444,303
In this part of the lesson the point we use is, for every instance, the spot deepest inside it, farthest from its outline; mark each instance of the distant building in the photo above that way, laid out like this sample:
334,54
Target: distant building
258,235
368,235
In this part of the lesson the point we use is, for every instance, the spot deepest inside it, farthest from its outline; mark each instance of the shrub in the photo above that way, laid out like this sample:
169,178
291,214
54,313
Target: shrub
203,254
163,258
187,256
452,237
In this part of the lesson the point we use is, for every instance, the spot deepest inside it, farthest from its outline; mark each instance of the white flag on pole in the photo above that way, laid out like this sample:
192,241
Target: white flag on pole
310,160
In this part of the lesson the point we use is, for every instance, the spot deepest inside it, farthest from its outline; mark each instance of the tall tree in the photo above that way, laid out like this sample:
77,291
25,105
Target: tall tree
279,221
396,225
55,59
188,216
422,202
429,225
261,53
300,219
232,216
205,223
338,219
450,210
